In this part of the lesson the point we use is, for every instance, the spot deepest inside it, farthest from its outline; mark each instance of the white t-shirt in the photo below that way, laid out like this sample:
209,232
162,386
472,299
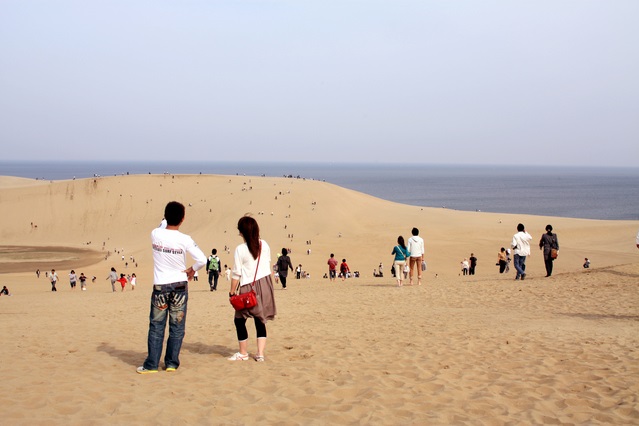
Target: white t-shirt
244,267
521,243
169,255
415,246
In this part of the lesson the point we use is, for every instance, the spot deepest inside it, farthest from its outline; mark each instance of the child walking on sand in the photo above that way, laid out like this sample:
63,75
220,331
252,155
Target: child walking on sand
122,281
83,281
344,269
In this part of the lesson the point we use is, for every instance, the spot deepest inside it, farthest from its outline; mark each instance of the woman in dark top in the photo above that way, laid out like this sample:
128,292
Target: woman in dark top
549,244
283,265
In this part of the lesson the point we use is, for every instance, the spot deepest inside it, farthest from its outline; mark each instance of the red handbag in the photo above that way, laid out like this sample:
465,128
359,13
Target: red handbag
246,300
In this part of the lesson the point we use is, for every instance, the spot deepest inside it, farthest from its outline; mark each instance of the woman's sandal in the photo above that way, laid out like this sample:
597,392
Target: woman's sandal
238,357
259,358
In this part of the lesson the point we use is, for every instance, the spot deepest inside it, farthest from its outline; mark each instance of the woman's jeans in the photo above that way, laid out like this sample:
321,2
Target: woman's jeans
168,300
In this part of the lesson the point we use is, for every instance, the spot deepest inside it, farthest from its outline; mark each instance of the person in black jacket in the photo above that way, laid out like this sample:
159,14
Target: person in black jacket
283,265
549,244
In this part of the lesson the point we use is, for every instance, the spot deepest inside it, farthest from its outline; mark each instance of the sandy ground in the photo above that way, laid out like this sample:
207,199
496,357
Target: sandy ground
482,349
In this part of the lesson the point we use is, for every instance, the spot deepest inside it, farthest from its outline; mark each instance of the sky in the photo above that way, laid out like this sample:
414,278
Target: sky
540,82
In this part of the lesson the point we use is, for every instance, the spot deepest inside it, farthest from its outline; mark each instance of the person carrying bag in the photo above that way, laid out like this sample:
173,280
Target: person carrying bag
251,273
550,245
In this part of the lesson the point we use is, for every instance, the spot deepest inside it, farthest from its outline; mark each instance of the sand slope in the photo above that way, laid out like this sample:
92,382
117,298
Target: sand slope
478,350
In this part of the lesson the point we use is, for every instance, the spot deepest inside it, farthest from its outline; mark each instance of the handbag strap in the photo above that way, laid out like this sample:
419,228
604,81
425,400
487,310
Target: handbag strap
258,265
256,268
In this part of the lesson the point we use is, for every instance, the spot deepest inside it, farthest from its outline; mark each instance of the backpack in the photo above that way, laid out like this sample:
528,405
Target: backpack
214,264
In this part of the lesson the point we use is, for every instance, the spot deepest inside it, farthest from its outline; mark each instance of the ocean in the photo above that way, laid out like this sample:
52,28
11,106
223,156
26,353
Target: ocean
580,192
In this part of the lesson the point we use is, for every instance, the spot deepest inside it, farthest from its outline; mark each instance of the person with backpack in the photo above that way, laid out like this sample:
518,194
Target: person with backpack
213,266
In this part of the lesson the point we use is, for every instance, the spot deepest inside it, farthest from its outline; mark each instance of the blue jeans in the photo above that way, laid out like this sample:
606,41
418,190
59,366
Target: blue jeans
166,299
520,265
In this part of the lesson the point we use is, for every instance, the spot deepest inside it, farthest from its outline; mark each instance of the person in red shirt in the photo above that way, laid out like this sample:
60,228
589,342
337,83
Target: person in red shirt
122,281
344,269
332,267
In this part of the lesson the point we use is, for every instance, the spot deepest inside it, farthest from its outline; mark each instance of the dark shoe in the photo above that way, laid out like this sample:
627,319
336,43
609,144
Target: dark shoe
523,277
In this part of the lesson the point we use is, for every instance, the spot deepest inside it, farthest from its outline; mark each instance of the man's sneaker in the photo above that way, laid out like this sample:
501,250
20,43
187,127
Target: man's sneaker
238,357
142,370
171,369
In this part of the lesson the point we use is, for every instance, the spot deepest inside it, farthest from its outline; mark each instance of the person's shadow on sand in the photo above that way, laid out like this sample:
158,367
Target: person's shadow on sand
130,357
134,357
201,348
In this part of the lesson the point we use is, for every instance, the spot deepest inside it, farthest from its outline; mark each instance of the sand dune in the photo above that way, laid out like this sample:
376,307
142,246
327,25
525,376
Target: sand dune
482,350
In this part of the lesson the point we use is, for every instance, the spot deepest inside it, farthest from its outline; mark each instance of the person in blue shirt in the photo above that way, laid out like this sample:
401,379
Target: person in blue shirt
401,254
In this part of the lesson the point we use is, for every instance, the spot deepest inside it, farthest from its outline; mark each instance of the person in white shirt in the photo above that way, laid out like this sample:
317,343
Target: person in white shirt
415,247
464,266
521,247
170,288
252,271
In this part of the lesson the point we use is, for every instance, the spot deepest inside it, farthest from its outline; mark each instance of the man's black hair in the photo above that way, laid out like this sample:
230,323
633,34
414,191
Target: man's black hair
174,213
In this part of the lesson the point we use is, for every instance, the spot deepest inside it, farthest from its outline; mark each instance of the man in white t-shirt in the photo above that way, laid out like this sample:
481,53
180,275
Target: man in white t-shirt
170,288
521,248
415,247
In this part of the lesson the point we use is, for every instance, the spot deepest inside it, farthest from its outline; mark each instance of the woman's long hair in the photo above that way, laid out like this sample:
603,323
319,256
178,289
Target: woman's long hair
250,230
400,241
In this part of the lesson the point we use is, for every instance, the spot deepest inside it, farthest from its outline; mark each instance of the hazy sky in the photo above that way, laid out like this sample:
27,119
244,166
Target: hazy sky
461,82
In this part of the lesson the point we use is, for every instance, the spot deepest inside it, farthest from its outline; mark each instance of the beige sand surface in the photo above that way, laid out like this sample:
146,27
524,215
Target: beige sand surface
478,350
